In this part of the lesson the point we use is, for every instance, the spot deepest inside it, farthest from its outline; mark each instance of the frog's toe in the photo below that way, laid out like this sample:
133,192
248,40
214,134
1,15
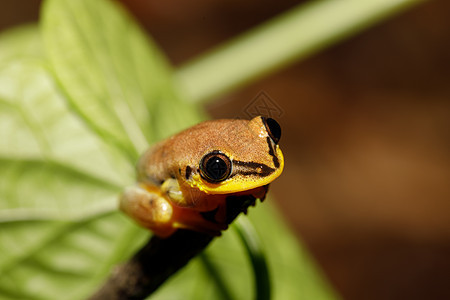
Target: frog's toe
148,208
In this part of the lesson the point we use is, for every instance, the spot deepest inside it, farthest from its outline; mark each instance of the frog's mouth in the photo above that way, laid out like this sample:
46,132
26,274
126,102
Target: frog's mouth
244,176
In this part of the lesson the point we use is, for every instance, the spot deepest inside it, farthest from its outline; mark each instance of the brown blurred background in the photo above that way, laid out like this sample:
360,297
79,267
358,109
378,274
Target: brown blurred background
366,135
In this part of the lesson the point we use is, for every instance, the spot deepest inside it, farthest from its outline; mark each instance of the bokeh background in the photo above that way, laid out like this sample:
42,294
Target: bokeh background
366,135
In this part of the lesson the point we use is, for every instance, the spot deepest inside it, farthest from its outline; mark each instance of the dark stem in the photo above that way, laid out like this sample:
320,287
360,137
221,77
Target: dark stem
160,258
152,265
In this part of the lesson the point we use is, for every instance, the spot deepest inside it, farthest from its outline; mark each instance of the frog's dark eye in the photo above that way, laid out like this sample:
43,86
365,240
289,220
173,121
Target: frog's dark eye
273,129
215,167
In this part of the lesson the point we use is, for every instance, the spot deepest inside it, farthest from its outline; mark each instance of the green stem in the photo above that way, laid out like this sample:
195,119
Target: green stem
289,37
252,244
215,276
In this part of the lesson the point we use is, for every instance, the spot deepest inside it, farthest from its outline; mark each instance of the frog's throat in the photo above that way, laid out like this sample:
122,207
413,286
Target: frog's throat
238,183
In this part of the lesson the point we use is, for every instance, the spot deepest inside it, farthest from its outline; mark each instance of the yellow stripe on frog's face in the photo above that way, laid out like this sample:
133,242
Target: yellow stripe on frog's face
249,175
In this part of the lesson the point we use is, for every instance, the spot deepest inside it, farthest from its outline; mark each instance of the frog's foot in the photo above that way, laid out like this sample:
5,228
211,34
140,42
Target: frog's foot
148,208
171,188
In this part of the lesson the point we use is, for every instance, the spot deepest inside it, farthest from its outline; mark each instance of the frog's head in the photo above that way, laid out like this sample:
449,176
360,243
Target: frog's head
234,155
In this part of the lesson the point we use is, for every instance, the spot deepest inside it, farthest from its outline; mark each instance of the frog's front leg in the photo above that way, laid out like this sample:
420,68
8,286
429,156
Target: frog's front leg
188,210
147,206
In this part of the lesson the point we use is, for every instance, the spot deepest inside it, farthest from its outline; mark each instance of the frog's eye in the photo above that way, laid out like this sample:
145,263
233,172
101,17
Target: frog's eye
215,166
273,129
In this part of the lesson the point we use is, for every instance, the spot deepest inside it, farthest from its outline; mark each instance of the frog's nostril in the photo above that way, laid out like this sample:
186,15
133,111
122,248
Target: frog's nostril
273,129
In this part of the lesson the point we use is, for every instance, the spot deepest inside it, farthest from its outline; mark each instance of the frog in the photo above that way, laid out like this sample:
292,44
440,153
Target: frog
186,180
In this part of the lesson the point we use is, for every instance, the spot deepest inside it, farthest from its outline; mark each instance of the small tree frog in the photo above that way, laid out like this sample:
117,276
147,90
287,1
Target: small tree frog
186,180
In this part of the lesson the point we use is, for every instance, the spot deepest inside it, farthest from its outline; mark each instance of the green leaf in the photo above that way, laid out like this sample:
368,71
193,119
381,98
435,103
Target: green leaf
255,252
112,74
54,168
62,260
43,144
